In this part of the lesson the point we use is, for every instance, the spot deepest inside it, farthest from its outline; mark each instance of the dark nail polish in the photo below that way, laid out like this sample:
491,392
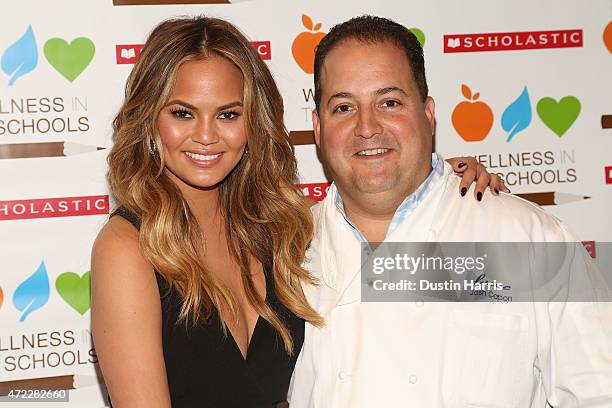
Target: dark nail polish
479,196
496,191
461,165
463,191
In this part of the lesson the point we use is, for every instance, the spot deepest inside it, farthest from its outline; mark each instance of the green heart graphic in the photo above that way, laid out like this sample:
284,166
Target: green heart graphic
420,35
75,290
70,60
559,116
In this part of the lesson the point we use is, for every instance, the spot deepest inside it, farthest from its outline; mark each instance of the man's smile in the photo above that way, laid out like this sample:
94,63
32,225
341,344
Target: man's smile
372,152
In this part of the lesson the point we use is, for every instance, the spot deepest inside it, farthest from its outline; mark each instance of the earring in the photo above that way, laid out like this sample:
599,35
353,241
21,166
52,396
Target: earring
152,147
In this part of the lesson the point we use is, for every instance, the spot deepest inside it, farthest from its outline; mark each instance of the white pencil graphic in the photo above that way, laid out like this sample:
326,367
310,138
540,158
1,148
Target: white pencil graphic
552,198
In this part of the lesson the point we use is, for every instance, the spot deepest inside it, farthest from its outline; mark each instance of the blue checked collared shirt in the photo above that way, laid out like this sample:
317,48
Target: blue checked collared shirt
406,207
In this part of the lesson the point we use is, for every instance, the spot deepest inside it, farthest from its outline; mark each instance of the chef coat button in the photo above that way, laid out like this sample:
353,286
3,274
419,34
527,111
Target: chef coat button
419,303
342,375
413,379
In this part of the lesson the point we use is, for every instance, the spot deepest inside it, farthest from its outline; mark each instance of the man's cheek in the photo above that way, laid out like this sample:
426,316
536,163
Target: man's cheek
329,140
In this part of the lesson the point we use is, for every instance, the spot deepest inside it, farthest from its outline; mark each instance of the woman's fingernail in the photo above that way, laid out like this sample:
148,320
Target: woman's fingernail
461,165
479,196
463,191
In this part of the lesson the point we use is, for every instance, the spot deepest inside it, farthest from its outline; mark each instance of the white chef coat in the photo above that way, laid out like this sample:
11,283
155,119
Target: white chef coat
427,355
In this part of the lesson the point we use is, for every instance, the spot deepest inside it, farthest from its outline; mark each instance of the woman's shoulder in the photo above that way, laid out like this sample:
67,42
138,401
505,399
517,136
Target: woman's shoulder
117,245
115,234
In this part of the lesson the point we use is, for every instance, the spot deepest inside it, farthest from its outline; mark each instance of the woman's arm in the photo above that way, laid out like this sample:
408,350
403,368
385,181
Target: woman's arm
126,319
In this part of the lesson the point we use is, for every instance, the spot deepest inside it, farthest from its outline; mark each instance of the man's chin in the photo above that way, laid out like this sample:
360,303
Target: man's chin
375,186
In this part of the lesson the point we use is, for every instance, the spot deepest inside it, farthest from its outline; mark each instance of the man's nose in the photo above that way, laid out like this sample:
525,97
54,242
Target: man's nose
367,123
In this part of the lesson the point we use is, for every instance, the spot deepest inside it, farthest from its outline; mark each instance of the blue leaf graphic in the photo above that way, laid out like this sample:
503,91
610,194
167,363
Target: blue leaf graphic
33,293
21,57
517,115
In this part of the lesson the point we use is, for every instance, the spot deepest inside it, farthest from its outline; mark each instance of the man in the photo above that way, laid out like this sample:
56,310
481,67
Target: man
374,125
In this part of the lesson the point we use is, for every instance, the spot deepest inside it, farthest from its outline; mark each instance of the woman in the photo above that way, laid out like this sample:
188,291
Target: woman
197,297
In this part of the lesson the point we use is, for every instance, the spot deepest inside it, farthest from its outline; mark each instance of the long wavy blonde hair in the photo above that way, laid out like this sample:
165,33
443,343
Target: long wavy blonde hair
266,216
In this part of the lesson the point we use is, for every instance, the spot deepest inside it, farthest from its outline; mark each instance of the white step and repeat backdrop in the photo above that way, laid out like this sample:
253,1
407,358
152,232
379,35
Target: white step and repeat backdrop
525,86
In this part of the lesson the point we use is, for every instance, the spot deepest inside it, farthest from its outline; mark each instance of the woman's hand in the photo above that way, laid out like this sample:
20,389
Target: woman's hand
470,170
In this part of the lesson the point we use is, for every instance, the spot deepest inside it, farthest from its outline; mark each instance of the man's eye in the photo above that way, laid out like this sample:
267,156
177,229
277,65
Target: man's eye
180,113
391,103
342,108
228,115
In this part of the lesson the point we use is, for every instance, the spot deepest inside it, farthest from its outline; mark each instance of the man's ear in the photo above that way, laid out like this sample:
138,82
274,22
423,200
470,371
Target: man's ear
430,112
316,127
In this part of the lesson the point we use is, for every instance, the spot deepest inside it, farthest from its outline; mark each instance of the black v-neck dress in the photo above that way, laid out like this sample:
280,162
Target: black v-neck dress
206,369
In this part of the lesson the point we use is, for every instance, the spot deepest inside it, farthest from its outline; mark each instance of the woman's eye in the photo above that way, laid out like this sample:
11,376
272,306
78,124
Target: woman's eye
180,113
228,115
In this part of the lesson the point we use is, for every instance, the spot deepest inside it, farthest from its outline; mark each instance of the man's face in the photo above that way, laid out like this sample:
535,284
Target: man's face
374,131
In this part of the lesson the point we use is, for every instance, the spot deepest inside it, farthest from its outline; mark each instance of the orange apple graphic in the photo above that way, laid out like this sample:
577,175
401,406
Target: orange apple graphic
607,36
304,45
472,119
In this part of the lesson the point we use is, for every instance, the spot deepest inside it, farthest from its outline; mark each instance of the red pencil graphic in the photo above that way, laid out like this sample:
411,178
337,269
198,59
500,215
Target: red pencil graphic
157,2
44,149
302,137
64,382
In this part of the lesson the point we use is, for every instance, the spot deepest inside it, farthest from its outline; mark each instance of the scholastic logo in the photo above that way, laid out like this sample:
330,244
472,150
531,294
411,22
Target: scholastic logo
53,207
315,191
263,49
608,170
591,248
527,40
129,53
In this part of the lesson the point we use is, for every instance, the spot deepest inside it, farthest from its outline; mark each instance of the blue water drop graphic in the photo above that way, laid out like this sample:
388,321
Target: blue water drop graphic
517,115
33,293
20,57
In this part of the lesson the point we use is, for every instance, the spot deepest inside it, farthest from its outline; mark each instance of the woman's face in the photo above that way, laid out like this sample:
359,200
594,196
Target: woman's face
201,126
